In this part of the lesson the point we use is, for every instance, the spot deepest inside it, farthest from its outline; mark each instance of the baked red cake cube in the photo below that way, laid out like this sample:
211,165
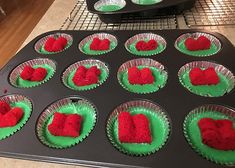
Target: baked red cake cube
191,44
218,134
86,76
72,125
146,76
134,75
211,76
55,45
11,118
39,74
133,129
27,73
126,129
4,107
146,46
94,69
67,125
63,41
104,44
142,130
203,77
49,43
201,43
98,44
204,43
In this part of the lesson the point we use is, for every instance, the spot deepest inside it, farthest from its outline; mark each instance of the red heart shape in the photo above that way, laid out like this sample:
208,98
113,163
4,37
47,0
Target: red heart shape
98,44
68,125
218,134
203,77
201,43
146,46
142,77
55,45
133,129
11,118
84,76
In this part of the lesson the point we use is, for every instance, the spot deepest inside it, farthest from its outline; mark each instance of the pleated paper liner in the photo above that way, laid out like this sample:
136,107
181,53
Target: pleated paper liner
17,81
130,44
215,45
70,71
21,101
159,126
158,70
226,84
39,46
84,45
71,105
193,135
109,5
146,2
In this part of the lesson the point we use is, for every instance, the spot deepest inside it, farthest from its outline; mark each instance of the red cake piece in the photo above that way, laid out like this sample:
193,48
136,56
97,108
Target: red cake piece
98,44
140,45
133,129
211,76
224,123
201,43
91,78
57,46
27,73
126,129
146,46
203,77
49,43
211,138
11,118
204,43
95,44
142,130
39,74
191,44
63,41
68,125
84,76
104,44
94,69
218,134
146,76
4,107
134,75
72,125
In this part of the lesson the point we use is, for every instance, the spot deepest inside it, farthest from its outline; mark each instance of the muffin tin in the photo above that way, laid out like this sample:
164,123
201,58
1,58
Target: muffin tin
96,150
161,7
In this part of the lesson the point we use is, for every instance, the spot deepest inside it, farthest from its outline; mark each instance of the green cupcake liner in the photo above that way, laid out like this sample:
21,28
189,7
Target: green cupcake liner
109,5
146,2
159,125
131,43
16,101
193,135
39,46
226,84
66,106
17,81
215,45
158,72
84,45
70,71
